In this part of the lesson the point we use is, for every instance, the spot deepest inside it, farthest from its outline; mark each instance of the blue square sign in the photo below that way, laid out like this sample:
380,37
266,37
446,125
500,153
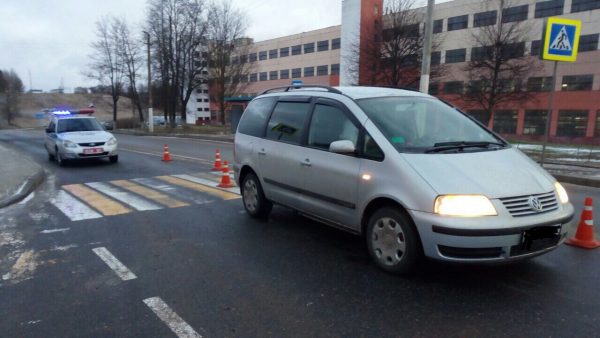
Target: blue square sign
561,39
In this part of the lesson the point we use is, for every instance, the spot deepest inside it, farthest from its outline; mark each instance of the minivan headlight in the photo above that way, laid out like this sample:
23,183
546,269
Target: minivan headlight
562,193
69,144
111,142
464,206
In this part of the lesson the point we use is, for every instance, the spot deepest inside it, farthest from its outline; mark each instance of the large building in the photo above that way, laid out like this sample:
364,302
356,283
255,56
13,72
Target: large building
322,57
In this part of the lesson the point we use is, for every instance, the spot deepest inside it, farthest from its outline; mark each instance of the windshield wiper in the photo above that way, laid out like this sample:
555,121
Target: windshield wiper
460,145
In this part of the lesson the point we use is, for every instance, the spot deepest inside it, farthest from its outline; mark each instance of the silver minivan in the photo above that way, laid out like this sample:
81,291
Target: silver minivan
413,175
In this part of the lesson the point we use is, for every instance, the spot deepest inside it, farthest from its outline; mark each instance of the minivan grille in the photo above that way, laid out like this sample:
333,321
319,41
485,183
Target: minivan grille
519,206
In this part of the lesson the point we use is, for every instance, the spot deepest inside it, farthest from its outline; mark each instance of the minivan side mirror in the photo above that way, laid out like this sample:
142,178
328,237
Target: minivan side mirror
342,147
49,130
108,126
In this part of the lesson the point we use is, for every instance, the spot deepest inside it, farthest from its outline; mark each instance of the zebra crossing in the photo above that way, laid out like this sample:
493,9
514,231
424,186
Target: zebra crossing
92,200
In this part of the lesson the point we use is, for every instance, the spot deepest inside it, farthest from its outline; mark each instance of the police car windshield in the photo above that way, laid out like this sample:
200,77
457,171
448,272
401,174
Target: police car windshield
73,125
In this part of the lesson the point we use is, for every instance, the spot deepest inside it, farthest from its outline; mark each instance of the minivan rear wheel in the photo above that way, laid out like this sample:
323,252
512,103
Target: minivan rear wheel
255,202
392,241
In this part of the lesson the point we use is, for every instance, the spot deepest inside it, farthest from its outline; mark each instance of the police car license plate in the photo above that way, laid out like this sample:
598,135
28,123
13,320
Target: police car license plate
92,150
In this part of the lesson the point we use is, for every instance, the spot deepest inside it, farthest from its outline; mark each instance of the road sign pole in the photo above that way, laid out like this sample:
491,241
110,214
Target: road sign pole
549,114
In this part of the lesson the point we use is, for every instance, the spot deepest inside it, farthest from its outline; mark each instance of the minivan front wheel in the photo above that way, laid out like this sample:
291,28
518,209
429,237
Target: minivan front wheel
255,202
392,241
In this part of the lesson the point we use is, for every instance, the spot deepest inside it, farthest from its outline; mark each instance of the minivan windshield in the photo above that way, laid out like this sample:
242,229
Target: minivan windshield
427,125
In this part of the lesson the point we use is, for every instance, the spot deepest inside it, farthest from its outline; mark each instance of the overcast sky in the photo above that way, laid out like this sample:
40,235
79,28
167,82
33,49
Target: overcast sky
51,38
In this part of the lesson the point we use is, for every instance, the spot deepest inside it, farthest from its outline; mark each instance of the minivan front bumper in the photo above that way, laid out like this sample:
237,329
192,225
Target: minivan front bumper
492,238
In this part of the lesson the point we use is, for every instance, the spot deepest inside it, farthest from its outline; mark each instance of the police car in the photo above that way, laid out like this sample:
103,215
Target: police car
72,137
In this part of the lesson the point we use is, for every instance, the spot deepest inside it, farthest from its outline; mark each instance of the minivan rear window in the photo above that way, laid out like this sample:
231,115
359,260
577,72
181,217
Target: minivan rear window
427,125
254,119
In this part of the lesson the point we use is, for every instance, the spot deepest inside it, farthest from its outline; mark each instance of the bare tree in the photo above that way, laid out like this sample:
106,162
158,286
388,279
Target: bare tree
499,65
177,29
11,88
228,50
107,65
393,49
131,56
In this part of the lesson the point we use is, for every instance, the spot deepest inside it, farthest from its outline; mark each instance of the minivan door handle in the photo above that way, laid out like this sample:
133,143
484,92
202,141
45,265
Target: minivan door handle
306,162
262,152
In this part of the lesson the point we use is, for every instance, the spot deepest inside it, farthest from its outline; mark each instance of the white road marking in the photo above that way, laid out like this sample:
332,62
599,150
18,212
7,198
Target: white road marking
73,208
172,191
29,197
64,247
172,319
121,270
125,197
50,231
220,173
209,183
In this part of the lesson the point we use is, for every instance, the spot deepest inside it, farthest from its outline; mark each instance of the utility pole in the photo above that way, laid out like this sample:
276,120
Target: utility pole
150,112
426,64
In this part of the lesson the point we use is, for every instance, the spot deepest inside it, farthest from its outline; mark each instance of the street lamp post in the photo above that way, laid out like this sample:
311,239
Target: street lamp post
150,112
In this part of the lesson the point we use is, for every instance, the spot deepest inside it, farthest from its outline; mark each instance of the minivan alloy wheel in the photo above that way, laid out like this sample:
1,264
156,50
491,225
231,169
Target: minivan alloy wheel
388,241
255,202
250,195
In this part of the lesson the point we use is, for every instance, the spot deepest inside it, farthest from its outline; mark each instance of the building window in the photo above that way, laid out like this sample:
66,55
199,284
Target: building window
322,70
539,84
322,45
584,5
309,47
273,75
284,74
577,82
438,26
572,123
206,109
513,50
485,18
198,100
481,53
309,71
283,52
273,54
588,42
253,77
514,14
205,100
262,55
436,58
199,109
297,50
458,22
252,57
535,122
481,116
263,76
453,87
296,73
505,121
335,69
536,47
434,88
456,55
335,43
549,8
597,131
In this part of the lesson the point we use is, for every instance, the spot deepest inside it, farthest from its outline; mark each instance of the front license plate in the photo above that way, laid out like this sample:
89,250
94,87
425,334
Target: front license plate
92,151
536,239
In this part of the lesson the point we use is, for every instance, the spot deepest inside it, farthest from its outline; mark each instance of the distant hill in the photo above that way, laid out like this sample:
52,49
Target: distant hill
32,103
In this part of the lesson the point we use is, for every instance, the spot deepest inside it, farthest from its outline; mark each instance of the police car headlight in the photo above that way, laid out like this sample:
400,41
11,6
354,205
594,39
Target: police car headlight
464,206
562,193
111,142
69,144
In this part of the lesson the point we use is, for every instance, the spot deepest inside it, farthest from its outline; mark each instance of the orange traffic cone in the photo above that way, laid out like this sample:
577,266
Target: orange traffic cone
225,179
217,166
166,155
584,238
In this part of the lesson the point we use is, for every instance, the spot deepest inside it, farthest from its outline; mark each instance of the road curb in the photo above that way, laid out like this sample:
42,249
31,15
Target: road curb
29,185
577,180
220,138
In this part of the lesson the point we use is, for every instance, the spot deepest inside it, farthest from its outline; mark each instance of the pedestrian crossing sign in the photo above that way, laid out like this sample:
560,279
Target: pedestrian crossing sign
561,39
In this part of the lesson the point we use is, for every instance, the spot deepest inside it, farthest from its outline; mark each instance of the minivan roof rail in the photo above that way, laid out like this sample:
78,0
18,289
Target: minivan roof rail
288,88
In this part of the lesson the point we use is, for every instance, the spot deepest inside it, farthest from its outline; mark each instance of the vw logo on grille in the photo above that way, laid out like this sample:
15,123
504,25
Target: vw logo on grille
92,144
535,204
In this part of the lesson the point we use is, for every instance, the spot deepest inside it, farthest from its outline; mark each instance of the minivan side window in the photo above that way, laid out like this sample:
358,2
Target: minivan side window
287,121
370,149
254,118
329,124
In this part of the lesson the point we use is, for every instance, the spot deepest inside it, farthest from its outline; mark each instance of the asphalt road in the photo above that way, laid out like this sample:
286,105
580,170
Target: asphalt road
192,262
